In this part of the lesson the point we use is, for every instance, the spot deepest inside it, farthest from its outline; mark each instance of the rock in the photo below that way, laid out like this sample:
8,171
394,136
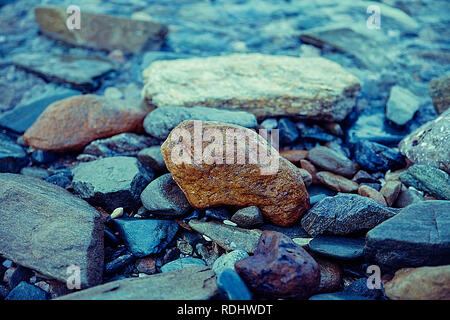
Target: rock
333,161
118,264
440,93
227,261
232,181
146,265
373,156
232,287
417,236
111,182
194,283
100,31
371,193
163,196
363,177
228,237
72,123
26,291
123,144
401,106
23,116
338,247
308,166
314,132
280,269
20,274
217,213
306,176
390,190
249,217
41,156
408,196
294,156
429,145
359,288
182,263
429,179
337,183
288,131
270,124
47,229
146,236
330,276
159,122
337,296
345,214
59,180
12,156
425,283
35,172
260,84
152,158
82,74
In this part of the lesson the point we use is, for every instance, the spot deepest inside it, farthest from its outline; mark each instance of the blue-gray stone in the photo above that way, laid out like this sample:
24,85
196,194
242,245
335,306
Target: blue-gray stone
59,180
118,264
146,236
26,291
288,130
359,288
337,296
373,156
429,179
182,263
232,286
338,247
12,156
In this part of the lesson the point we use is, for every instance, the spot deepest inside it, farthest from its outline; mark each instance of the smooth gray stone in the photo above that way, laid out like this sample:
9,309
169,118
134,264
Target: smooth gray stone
182,263
338,247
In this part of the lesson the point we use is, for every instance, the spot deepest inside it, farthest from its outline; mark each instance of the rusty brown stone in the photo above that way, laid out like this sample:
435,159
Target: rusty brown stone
371,193
330,275
72,123
337,183
146,265
308,166
280,194
280,269
331,160
390,191
294,156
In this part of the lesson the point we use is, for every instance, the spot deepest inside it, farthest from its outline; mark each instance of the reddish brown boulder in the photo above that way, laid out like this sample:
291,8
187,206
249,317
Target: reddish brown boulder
276,189
72,123
280,269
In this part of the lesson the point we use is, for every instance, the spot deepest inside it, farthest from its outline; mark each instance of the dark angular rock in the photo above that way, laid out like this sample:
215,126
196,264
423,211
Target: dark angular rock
359,288
338,247
111,182
118,264
217,213
12,156
41,156
429,179
123,144
280,269
288,131
152,158
19,275
314,132
59,180
232,286
345,214
26,291
249,217
145,236
373,156
418,236
163,196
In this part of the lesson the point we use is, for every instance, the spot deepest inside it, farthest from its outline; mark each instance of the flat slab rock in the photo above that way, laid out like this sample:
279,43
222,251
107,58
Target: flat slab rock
417,236
45,228
193,283
264,85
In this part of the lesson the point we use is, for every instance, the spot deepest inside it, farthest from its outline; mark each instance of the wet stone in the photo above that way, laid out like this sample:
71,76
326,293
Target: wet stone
338,247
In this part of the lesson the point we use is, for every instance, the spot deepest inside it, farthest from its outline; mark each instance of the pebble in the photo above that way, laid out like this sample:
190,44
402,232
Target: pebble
118,264
117,213
333,161
288,131
152,158
227,261
401,106
428,179
336,182
330,275
249,217
440,93
123,144
146,265
280,269
294,156
232,286
407,196
371,193
391,190
26,291
338,247
164,197
373,156
12,156
308,166
182,263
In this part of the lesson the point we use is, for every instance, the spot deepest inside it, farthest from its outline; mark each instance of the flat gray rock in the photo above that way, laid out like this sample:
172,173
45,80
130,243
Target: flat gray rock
418,236
227,261
159,122
182,263
344,214
429,179
111,182
123,144
12,156
152,158
401,106
264,85
193,283
45,228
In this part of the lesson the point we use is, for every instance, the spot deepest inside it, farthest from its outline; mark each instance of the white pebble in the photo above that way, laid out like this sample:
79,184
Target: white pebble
117,213
229,223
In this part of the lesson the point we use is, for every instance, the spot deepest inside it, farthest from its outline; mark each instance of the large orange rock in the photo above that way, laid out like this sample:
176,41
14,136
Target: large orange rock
72,123
276,187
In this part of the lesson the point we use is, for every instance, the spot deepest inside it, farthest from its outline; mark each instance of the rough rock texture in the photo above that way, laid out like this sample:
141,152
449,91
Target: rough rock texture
261,84
336,182
47,229
294,156
373,156
228,237
111,182
280,269
232,183
401,106
100,31
194,283
440,93
12,156
431,180
123,144
26,291
249,217
163,196
330,275
391,190
429,144
344,214
152,158
425,283
417,236
159,122
182,263
333,161
146,236
227,261
72,123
